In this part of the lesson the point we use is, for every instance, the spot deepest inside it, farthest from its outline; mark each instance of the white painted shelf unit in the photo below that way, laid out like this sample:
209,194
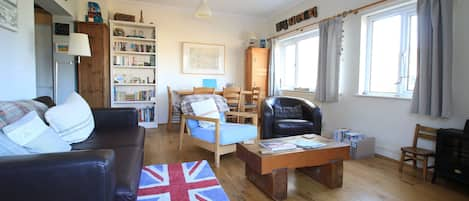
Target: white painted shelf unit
134,69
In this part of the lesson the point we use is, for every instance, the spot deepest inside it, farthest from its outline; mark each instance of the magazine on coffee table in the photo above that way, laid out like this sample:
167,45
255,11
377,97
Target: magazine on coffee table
308,144
277,145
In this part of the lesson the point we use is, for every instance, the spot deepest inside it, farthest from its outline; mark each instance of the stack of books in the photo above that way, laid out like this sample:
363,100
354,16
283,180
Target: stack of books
308,144
277,146
274,146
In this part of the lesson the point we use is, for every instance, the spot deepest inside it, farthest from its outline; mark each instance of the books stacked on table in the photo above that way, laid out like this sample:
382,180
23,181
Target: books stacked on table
276,146
353,138
308,144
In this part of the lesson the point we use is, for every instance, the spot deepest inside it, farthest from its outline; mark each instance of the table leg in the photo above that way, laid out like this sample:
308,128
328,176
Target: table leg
329,175
274,184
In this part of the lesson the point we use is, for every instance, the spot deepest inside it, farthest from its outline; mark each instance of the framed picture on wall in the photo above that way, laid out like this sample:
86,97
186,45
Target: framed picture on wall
61,48
202,58
9,14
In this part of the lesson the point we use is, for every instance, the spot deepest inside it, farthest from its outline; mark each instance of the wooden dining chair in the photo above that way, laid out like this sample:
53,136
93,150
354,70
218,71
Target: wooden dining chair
253,103
173,109
203,90
415,153
233,99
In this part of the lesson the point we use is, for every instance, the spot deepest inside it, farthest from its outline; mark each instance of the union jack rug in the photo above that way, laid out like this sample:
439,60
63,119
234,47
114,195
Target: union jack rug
191,181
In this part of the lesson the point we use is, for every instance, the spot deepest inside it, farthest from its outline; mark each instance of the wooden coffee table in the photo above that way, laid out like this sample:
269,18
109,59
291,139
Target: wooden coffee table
269,171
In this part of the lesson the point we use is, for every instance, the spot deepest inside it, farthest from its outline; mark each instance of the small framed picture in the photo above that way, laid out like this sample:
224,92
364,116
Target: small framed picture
61,48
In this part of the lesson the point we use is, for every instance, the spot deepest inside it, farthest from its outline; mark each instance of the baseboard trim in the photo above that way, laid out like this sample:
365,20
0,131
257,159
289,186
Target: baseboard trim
398,162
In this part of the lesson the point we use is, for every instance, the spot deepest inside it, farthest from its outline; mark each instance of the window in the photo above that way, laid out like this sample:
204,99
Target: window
391,53
299,61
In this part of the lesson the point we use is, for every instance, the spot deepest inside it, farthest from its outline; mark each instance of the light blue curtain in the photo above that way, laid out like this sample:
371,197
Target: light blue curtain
330,48
432,93
274,78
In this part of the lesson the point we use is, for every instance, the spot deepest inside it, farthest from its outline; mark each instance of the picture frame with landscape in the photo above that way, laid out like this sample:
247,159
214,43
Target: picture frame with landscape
9,15
203,58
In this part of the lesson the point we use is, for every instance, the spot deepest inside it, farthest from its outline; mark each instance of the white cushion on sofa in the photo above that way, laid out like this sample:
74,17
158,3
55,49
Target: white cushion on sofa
33,134
72,120
206,108
26,129
10,148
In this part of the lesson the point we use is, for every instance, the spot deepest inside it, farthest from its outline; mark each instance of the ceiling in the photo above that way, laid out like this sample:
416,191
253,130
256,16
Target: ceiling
260,8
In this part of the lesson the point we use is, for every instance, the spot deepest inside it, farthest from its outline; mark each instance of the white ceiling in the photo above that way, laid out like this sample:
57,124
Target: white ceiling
260,8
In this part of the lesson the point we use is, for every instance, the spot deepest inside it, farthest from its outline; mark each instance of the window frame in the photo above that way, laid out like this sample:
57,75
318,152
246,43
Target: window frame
294,40
406,11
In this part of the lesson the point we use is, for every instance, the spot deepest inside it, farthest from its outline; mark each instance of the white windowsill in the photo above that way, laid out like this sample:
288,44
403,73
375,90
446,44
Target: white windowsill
384,97
297,91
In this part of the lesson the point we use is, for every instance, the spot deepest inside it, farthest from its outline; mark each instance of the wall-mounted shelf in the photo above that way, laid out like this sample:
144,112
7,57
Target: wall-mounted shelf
123,38
134,84
134,53
134,67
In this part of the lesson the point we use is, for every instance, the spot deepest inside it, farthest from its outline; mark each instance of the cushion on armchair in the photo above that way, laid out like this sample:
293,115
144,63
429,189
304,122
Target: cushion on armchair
206,108
229,133
285,112
194,123
290,126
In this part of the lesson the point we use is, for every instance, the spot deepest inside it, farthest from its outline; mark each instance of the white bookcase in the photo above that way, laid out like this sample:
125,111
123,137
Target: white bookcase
134,68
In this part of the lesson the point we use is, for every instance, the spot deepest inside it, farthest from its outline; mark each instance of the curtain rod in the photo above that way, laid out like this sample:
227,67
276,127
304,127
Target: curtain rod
343,14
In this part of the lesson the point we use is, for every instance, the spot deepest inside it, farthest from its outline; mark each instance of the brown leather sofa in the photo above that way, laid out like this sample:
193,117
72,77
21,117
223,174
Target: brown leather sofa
105,167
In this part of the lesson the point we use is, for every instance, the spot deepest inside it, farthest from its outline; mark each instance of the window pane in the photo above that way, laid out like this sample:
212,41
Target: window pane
412,74
289,76
385,54
308,53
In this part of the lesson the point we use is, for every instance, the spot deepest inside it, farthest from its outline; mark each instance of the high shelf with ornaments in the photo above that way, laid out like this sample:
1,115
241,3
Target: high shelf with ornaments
134,69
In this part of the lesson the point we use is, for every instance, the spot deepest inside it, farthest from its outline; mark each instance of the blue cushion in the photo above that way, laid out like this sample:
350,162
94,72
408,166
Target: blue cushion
194,123
229,133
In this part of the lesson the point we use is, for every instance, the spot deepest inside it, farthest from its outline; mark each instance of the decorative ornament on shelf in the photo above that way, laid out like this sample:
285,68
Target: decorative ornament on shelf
141,16
94,13
252,39
124,17
306,15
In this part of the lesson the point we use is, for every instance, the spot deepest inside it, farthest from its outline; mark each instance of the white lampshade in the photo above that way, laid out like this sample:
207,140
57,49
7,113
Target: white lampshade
79,45
203,11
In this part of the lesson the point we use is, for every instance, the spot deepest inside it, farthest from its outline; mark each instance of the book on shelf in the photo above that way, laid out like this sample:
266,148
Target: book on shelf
146,95
134,60
146,114
277,145
133,47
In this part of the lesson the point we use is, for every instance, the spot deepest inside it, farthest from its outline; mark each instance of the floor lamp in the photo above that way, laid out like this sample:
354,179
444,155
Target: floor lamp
78,45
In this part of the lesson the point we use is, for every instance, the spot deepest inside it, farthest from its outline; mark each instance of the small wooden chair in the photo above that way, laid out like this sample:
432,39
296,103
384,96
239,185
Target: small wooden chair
415,154
203,90
173,109
253,105
233,99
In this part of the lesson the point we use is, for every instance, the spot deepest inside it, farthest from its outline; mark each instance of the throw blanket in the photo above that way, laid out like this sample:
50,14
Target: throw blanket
11,111
191,181
187,100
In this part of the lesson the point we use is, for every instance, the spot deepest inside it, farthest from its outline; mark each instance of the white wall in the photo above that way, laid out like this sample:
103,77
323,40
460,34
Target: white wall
67,5
177,25
17,60
389,120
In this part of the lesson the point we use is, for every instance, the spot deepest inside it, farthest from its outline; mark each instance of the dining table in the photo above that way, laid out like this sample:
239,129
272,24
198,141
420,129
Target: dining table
186,92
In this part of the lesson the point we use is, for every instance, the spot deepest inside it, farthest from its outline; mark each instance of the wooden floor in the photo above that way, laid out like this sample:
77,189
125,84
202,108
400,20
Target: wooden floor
364,180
